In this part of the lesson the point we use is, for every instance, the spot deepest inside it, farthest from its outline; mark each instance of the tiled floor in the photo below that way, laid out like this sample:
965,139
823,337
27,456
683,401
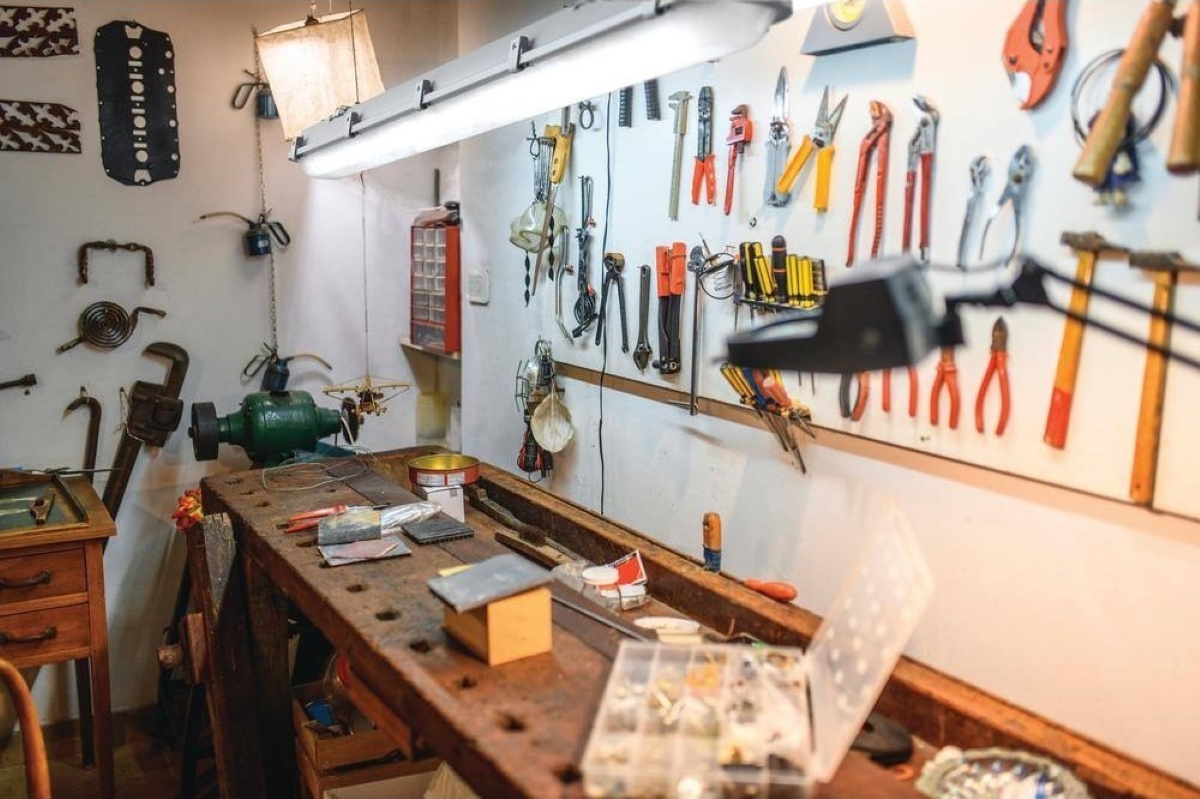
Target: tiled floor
144,767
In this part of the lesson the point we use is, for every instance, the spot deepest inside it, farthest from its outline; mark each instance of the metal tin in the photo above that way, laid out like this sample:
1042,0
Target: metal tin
449,469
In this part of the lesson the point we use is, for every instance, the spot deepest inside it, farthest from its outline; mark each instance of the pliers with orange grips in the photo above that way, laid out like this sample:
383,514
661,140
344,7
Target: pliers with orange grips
854,410
878,139
998,367
704,172
307,521
947,376
913,391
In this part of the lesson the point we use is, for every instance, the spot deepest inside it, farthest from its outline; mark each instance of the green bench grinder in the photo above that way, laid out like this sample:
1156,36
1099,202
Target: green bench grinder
271,426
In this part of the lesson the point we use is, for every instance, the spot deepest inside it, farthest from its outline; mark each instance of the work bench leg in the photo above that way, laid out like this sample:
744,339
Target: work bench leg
218,588
269,644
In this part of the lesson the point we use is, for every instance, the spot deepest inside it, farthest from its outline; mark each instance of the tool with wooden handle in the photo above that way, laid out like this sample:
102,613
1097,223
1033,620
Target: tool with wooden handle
1089,247
1106,134
1184,156
1164,268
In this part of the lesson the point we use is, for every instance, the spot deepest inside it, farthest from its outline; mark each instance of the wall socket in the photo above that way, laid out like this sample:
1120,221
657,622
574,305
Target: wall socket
479,288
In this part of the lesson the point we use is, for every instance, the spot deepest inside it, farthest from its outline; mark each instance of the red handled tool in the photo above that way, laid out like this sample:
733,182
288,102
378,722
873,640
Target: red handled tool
947,376
780,592
913,391
307,521
920,157
1034,50
997,367
878,139
704,172
854,409
741,131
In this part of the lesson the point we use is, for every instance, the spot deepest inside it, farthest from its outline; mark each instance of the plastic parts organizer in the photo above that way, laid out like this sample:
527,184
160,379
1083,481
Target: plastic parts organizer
720,721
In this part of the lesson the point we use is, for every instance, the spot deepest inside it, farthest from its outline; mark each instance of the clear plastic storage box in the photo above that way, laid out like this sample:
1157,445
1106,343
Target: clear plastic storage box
714,721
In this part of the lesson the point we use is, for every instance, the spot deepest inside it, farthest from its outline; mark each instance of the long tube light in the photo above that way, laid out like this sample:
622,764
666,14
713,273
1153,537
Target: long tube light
582,51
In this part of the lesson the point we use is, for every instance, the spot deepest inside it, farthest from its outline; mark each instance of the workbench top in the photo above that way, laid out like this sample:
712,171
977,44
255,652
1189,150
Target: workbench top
518,729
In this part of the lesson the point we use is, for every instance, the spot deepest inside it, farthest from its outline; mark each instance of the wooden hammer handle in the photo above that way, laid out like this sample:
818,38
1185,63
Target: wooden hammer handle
1154,391
1108,131
1184,156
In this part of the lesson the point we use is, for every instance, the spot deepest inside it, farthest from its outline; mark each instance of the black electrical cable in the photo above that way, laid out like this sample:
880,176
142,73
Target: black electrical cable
608,192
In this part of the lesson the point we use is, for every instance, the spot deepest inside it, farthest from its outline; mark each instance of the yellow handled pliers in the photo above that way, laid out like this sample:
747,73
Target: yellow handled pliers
821,141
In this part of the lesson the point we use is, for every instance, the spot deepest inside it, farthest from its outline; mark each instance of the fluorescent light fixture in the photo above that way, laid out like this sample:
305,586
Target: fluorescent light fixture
579,52
317,66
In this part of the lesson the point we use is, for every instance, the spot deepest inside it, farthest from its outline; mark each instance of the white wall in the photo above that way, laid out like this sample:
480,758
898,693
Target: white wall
216,299
1074,607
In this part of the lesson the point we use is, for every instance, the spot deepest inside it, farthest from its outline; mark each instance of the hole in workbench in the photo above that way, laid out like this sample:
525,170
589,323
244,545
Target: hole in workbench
420,645
568,774
265,503
467,682
331,490
308,542
388,615
249,492
235,481
356,588
511,723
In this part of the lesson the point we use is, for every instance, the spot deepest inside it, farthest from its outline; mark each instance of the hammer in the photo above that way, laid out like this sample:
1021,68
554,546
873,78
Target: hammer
1089,247
1164,269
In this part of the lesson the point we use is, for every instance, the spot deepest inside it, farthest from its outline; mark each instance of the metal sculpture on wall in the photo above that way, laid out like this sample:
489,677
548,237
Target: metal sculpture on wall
135,81
37,32
33,127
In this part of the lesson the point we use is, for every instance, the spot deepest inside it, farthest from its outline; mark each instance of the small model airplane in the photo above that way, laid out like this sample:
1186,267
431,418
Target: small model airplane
364,396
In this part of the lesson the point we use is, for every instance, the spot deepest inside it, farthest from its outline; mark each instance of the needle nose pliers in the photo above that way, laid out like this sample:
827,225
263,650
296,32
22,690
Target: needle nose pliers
947,376
998,367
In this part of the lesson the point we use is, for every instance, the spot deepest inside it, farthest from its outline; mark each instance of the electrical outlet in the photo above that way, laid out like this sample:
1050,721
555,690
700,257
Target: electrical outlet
478,287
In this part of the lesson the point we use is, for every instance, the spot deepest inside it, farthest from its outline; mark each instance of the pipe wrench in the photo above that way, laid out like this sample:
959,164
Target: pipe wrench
741,131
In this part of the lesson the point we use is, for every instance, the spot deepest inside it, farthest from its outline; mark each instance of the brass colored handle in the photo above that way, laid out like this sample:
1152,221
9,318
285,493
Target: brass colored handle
41,578
48,634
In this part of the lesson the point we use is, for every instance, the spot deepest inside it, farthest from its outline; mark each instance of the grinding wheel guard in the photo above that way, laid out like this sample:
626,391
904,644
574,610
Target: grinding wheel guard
135,81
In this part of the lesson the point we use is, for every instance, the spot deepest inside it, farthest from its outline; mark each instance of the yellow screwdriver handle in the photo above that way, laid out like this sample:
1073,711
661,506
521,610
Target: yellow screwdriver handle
794,165
824,168
562,150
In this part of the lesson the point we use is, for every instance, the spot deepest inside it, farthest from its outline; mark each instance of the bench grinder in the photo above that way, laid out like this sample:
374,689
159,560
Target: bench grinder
271,426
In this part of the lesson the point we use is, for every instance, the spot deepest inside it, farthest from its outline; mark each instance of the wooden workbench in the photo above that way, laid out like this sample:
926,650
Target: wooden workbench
518,729
512,730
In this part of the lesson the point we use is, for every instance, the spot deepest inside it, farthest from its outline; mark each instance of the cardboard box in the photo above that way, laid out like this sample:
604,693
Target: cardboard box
504,630
449,498
410,787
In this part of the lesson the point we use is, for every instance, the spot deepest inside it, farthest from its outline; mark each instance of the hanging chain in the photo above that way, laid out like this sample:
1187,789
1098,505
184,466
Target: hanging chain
262,208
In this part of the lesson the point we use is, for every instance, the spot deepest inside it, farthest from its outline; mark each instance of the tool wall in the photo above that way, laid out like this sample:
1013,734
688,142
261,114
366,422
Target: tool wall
955,63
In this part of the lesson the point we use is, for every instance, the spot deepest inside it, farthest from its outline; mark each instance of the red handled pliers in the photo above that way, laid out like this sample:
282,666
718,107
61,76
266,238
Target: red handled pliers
1034,50
921,148
307,521
998,366
878,139
913,391
947,375
704,172
854,409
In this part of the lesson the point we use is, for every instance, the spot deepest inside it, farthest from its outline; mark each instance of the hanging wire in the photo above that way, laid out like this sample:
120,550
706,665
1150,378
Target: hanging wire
366,295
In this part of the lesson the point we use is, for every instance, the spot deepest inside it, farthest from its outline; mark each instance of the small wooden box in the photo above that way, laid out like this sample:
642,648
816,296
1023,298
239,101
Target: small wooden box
508,629
344,760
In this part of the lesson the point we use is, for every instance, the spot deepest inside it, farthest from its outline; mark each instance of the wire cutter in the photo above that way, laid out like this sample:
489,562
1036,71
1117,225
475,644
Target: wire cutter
778,144
913,391
854,411
997,366
1020,168
947,375
705,169
980,168
1034,50
920,155
821,140
879,139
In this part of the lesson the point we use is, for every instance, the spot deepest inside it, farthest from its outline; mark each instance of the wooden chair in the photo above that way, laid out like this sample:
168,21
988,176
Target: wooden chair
37,768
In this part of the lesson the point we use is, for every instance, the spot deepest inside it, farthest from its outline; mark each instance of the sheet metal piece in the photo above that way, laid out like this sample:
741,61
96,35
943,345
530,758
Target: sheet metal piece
37,32
135,81
34,127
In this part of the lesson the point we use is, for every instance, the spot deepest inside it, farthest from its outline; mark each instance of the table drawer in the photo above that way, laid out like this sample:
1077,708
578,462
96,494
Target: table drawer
41,576
45,636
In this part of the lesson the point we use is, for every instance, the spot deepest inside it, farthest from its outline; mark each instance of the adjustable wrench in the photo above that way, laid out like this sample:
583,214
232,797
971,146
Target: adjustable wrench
641,352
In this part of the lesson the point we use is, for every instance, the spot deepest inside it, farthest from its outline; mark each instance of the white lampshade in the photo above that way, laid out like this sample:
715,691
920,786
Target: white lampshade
583,51
317,66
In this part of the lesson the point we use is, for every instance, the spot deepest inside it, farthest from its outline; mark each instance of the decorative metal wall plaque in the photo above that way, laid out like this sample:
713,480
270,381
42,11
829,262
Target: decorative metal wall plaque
135,80
37,32
38,127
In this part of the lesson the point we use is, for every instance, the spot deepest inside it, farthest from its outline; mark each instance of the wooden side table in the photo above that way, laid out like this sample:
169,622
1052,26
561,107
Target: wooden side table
52,607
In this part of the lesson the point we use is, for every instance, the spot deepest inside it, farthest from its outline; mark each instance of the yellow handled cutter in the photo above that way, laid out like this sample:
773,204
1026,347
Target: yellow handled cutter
820,140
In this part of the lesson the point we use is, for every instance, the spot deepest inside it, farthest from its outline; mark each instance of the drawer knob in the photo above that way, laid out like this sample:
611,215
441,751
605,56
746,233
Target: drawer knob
41,578
48,634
